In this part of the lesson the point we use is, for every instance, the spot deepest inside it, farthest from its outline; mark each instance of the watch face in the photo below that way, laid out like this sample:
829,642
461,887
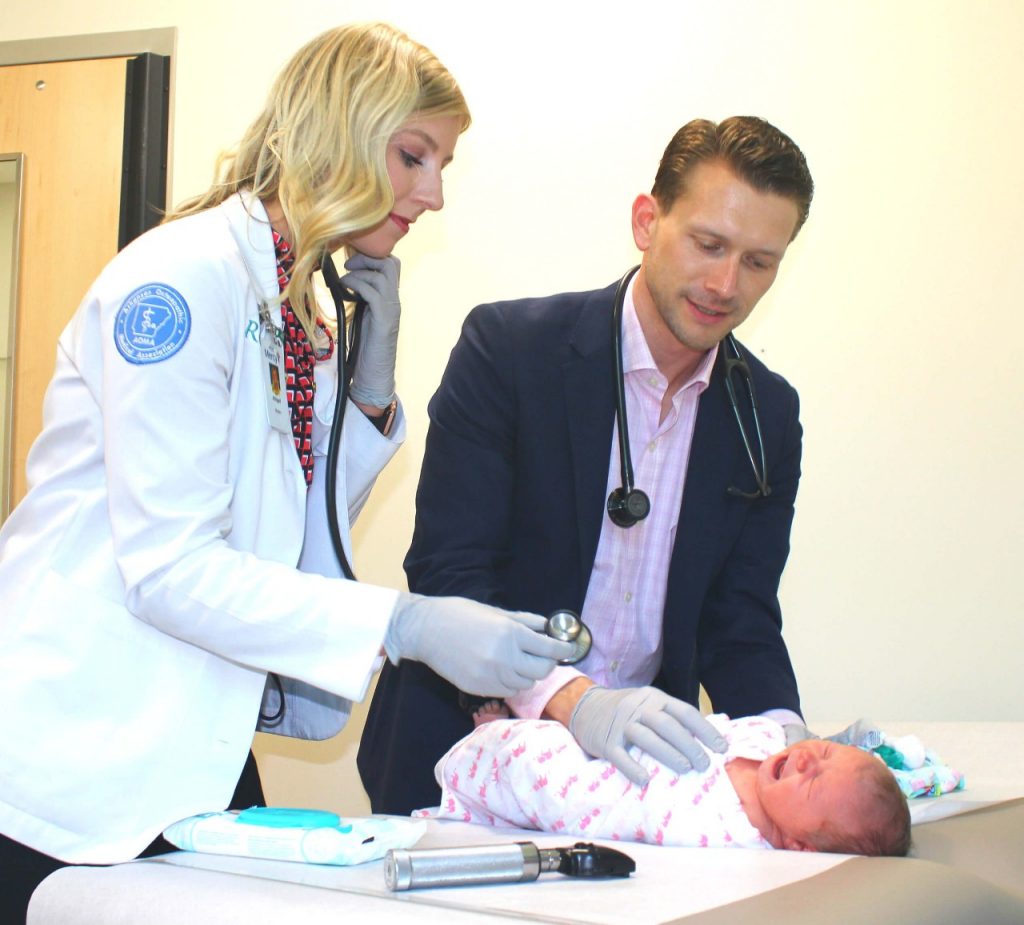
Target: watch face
384,421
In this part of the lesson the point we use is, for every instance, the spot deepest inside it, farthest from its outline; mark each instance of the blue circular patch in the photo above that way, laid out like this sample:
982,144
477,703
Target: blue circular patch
152,324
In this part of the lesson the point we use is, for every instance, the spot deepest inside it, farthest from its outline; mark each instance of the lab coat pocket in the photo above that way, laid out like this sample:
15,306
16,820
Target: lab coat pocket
85,653
108,743
88,692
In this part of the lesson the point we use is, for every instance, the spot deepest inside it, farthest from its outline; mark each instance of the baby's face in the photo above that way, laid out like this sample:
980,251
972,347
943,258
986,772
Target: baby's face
812,781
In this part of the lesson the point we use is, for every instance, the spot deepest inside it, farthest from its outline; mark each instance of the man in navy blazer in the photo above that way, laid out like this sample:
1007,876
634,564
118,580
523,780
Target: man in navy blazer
511,505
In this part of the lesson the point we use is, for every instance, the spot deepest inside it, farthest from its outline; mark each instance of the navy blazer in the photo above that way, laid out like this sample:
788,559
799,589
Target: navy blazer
511,502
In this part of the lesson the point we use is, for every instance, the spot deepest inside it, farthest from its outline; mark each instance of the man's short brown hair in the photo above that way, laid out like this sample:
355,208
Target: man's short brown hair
755,150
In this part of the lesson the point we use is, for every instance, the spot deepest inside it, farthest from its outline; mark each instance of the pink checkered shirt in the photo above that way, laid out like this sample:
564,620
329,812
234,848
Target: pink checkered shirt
626,596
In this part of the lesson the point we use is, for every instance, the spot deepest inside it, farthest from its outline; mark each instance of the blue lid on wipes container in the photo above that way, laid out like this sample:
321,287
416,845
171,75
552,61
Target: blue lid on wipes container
279,817
304,835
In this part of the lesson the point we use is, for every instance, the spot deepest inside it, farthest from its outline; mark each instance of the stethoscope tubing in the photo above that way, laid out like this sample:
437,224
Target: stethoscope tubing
346,354
347,351
733,364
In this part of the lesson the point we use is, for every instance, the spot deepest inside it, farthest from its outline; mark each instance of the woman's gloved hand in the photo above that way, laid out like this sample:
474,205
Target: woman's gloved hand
482,650
607,722
375,281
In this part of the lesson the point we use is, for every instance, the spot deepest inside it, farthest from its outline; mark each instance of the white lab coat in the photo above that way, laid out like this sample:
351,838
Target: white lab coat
148,581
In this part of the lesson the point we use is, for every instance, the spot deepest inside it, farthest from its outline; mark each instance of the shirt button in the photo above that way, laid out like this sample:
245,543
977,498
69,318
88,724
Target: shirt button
614,665
652,446
628,596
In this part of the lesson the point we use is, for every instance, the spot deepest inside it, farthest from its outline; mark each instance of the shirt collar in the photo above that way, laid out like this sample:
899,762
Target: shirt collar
636,354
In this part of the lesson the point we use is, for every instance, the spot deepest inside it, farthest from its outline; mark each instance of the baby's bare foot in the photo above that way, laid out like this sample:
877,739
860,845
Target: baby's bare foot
490,711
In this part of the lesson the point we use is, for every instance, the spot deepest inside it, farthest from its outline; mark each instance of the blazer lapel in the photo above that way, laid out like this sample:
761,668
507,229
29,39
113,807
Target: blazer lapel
590,405
706,507
711,455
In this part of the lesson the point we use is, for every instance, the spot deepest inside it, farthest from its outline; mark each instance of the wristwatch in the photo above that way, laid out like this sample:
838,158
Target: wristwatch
384,421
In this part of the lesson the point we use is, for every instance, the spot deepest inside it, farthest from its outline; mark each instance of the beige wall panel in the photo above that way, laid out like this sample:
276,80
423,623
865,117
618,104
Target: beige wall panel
67,118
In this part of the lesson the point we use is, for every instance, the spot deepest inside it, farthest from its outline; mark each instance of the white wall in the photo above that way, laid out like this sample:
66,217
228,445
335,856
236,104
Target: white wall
895,313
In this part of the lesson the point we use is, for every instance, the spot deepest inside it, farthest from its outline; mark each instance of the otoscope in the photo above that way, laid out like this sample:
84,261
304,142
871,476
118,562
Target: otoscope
520,862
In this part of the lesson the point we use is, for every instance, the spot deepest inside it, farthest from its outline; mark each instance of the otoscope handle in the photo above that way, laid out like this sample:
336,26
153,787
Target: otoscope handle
409,870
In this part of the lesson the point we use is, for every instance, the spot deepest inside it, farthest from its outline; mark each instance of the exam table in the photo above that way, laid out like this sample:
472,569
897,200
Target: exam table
966,865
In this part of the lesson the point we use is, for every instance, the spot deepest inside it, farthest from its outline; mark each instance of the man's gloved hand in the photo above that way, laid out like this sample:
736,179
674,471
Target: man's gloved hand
607,722
482,650
863,733
375,281
797,732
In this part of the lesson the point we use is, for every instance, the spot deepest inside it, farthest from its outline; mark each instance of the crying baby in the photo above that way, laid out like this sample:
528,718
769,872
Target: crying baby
816,795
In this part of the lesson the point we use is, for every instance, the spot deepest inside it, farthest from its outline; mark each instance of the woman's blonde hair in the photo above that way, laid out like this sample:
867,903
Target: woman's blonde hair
319,146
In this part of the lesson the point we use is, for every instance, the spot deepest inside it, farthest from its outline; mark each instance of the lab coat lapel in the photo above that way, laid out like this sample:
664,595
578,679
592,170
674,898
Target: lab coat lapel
250,228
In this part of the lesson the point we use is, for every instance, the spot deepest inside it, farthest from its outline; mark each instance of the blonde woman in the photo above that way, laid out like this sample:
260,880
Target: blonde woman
168,583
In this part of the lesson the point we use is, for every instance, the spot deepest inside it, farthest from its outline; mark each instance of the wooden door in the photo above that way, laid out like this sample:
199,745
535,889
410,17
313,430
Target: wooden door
67,118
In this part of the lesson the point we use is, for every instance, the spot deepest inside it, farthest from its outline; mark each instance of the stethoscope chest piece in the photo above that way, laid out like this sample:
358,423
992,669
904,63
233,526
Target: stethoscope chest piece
568,627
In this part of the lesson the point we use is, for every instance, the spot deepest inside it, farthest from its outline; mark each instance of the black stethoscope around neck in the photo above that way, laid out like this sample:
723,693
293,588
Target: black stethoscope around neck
628,505
347,345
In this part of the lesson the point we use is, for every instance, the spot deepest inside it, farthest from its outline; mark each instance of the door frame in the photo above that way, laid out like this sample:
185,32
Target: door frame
145,174
100,45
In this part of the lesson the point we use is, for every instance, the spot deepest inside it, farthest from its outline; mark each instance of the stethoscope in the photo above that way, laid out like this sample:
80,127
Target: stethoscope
347,347
563,624
348,350
628,505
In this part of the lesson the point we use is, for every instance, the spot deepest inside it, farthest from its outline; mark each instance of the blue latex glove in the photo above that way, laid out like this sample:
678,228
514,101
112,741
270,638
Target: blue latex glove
863,733
607,722
482,650
375,281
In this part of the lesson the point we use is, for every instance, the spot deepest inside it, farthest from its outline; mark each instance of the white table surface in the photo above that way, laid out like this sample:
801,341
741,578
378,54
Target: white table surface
186,887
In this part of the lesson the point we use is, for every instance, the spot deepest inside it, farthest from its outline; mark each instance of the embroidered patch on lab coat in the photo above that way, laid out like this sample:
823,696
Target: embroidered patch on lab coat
152,324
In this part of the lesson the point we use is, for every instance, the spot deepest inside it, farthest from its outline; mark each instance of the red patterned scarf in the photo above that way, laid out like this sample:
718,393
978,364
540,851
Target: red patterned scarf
300,359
